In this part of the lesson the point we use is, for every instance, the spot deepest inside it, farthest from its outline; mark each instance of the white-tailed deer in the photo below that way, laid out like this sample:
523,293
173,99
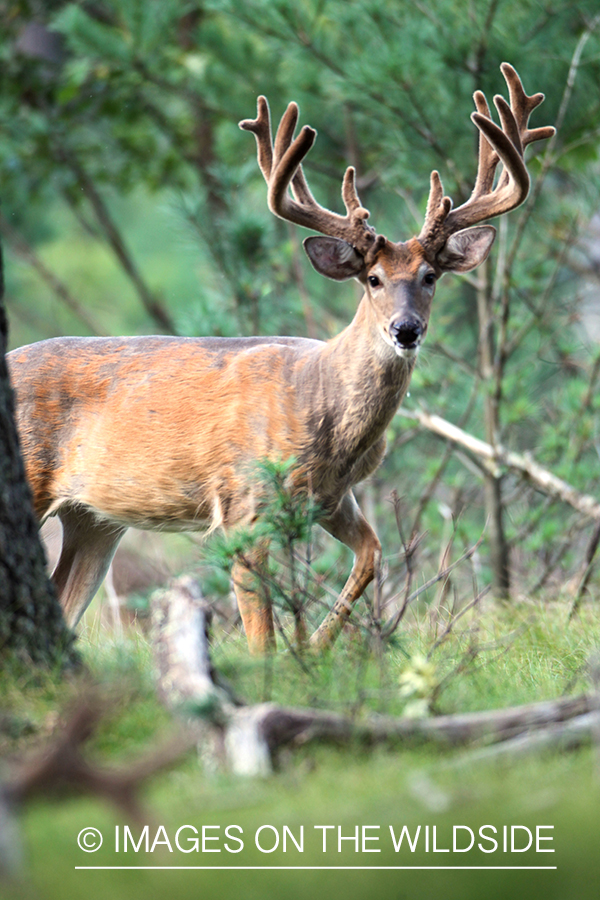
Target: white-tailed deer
164,432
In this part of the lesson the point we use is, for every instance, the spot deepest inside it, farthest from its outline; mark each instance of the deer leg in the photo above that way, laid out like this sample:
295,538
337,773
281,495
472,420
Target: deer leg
254,601
350,527
88,547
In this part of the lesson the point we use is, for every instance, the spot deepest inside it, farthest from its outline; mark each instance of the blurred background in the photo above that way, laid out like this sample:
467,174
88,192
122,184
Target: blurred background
132,203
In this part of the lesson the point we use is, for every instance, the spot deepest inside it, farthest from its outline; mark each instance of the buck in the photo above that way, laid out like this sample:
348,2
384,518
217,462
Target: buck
164,432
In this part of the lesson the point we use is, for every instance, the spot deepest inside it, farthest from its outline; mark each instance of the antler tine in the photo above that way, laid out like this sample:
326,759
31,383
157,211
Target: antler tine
269,157
350,195
285,133
505,144
488,158
261,128
510,191
284,170
522,107
438,207
281,166
354,207
283,140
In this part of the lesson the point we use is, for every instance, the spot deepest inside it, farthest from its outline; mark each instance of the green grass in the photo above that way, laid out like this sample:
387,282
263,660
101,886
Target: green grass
528,653
524,653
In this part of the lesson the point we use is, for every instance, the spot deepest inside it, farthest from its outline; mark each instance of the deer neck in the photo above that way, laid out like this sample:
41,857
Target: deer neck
357,385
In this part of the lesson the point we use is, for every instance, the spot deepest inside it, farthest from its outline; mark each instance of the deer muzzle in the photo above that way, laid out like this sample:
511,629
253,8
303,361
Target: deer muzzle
406,334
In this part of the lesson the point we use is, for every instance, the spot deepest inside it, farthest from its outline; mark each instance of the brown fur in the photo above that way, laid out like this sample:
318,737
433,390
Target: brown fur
164,433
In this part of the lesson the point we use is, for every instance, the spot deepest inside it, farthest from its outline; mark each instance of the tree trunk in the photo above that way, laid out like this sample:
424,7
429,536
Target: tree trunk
31,622
494,508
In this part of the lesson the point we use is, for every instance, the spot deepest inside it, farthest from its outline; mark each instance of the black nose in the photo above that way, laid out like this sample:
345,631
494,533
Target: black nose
406,332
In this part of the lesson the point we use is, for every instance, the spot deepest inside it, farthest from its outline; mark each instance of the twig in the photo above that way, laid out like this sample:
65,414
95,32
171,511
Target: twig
586,570
62,769
455,619
392,623
495,457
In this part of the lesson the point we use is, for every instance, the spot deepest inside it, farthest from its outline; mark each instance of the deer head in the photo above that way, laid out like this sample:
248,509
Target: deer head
400,278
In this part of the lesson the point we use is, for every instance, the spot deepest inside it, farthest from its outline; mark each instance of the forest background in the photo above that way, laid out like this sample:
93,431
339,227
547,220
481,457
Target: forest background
132,203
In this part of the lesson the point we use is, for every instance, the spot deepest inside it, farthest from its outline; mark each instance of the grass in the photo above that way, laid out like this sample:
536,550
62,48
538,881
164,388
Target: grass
526,653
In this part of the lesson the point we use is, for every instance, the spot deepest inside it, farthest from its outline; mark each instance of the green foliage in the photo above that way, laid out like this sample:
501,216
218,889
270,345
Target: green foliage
139,104
527,654
285,515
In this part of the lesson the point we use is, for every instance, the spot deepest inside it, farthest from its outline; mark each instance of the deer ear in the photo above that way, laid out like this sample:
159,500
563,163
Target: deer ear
467,249
334,258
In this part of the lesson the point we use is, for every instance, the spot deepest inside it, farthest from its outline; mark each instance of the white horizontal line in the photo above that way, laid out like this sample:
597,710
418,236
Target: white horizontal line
312,868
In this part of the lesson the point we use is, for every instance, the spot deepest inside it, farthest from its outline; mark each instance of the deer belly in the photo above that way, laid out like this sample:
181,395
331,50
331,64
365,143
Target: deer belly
154,479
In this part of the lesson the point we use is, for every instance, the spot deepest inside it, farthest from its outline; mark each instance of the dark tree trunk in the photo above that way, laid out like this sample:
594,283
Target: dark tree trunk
494,507
31,622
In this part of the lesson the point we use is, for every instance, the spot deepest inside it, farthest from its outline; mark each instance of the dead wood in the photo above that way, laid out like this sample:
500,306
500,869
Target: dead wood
248,738
565,735
61,769
494,458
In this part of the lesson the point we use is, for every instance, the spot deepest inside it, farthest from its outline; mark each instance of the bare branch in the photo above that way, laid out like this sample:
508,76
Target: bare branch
584,575
62,769
494,458
569,735
446,633
392,624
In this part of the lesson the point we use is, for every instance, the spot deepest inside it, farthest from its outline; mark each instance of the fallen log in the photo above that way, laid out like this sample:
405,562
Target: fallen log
565,735
249,737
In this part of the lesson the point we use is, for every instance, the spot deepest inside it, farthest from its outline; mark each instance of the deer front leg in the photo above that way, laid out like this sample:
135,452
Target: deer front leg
254,601
350,527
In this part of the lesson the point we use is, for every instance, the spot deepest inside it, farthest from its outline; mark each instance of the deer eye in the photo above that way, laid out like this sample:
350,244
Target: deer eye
429,278
374,281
